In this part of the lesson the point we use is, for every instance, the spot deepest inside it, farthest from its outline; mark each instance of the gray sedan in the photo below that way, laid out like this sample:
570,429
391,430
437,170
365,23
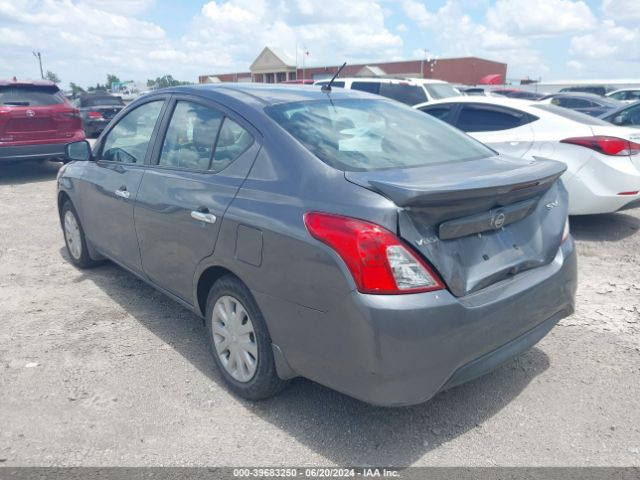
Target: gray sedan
337,236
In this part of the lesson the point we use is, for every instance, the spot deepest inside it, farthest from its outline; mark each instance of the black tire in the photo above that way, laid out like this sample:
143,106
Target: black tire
265,382
83,260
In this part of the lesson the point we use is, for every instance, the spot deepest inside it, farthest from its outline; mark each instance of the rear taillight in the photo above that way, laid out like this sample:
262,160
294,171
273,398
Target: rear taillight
566,231
378,260
72,114
94,115
606,145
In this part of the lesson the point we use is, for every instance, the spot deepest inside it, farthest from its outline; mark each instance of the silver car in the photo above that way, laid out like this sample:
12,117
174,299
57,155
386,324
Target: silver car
334,235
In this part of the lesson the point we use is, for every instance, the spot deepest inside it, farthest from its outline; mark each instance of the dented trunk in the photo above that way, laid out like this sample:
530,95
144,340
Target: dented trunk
480,221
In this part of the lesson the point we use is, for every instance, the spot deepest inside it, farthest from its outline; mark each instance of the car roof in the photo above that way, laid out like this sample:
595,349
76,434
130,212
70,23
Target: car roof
265,94
36,83
414,81
497,100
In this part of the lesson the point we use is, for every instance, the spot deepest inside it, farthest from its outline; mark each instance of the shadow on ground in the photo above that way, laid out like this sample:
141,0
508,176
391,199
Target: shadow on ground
28,172
610,227
339,428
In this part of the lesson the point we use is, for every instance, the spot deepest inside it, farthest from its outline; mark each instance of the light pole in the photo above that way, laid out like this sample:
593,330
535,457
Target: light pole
39,57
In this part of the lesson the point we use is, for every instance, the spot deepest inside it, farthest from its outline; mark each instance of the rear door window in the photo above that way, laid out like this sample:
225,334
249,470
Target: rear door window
232,142
31,96
487,118
371,87
191,136
405,93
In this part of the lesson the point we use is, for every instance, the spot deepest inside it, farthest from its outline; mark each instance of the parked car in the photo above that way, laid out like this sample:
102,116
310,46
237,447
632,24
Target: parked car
627,95
530,130
628,116
600,90
393,258
410,91
97,110
588,103
515,93
36,121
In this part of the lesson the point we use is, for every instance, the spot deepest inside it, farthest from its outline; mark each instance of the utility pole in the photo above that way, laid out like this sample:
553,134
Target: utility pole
39,57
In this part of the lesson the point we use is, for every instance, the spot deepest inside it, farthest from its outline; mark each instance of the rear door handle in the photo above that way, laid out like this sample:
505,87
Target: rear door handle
203,215
123,192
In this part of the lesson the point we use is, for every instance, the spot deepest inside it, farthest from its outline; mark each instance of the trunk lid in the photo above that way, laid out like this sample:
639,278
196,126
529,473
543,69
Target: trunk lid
478,221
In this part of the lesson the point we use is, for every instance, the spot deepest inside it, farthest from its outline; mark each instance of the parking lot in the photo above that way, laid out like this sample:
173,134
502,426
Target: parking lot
97,368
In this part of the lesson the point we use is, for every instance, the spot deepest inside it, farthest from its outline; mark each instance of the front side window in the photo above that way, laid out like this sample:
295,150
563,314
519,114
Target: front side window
191,136
129,140
363,135
479,118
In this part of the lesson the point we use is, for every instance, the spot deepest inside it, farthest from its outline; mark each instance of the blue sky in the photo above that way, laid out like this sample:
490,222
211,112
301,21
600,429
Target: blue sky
83,40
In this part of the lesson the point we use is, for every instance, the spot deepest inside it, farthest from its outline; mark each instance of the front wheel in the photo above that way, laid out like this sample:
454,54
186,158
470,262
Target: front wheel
240,342
74,237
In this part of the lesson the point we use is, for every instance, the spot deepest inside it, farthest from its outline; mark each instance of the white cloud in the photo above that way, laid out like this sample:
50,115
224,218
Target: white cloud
610,41
417,12
460,35
401,27
11,36
621,9
540,17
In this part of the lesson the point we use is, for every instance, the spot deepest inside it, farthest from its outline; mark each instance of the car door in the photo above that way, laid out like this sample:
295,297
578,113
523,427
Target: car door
506,129
111,182
204,154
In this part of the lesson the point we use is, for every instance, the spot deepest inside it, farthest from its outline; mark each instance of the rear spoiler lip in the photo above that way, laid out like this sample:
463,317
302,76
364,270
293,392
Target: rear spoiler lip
535,176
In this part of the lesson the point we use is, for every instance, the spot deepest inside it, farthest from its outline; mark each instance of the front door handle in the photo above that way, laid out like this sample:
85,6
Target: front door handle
123,192
203,215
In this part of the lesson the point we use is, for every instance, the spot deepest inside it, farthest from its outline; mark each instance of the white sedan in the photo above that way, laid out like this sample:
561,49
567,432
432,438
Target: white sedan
603,160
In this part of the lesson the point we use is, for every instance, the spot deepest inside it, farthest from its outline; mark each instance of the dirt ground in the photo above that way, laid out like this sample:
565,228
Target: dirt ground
98,369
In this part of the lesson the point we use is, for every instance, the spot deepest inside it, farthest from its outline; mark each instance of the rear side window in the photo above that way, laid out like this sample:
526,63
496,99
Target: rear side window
441,90
481,118
405,93
191,135
441,112
371,87
31,96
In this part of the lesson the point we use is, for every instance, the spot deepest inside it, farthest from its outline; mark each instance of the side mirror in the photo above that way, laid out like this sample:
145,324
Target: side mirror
80,151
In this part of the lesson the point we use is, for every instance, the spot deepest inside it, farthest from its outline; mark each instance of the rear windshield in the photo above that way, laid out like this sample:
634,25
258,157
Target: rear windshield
93,102
364,135
441,90
571,114
30,96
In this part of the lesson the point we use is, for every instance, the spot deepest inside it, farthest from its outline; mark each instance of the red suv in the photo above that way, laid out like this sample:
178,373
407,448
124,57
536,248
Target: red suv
36,121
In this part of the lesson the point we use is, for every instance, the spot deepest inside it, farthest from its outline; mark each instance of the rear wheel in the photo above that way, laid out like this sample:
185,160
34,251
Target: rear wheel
74,237
240,342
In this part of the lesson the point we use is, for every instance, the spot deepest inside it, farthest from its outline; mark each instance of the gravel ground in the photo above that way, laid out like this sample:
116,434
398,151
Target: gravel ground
98,369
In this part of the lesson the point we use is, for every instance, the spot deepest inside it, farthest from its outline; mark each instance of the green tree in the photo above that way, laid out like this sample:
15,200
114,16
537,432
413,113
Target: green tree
52,77
76,89
165,81
111,79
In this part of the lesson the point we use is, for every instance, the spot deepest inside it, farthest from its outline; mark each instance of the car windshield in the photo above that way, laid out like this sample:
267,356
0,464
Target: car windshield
93,102
363,135
571,114
30,96
441,90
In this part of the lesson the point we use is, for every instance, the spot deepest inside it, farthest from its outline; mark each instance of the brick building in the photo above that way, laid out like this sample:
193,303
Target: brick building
272,66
